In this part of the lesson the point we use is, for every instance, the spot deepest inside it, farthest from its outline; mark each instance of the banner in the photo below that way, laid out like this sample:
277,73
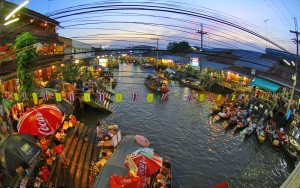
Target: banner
219,97
72,97
16,96
119,97
24,96
190,97
210,97
101,97
164,96
87,97
46,97
34,97
201,97
135,97
246,96
58,97
233,97
150,97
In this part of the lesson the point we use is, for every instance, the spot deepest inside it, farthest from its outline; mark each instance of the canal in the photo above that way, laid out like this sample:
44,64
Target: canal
202,152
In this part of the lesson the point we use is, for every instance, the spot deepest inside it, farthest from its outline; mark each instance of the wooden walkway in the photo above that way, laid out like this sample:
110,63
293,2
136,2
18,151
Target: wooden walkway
79,154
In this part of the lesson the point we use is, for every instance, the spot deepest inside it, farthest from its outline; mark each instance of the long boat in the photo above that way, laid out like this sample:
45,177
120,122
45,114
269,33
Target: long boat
192,83
287,147
154,85
166,180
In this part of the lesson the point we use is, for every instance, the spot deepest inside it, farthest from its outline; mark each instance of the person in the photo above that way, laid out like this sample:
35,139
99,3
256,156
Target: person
59,150
61,136
99,131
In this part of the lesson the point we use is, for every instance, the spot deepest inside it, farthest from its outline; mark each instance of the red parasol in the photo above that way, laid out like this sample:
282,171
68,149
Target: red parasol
41,121
143,164
127,182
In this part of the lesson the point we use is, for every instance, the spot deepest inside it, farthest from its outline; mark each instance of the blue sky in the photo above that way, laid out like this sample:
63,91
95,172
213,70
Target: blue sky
270,18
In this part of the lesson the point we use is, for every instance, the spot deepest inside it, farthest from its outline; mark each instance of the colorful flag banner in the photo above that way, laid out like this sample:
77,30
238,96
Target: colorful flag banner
7,95
16,96
58,97
164,96
246,96
262,96
72,97
101,97
150,97
210,97
227,97
233,97
46,97
134,96
201,97
87,97
119,97
190,97
219,97
34,96
240,96
24,96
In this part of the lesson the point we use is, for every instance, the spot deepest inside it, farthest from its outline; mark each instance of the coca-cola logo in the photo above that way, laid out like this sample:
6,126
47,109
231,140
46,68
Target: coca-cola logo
43,126
142,166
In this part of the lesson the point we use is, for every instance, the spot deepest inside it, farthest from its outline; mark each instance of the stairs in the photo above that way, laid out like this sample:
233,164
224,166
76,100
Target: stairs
78,153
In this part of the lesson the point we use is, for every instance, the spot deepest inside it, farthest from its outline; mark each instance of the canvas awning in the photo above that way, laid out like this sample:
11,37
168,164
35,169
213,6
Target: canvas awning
265,84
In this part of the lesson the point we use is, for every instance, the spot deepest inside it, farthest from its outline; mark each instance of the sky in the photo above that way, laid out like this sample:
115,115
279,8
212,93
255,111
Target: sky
272,19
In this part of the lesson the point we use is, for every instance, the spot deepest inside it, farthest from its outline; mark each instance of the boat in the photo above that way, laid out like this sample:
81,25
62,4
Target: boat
156,86
287,147
250,129
261,133
192,83
113,82
273,137
162,177
221,185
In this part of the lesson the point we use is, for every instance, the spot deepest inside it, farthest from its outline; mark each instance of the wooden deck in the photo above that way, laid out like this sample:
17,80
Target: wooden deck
79,154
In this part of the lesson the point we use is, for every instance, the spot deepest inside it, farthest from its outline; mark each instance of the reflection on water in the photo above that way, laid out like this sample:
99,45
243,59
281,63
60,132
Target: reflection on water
202,152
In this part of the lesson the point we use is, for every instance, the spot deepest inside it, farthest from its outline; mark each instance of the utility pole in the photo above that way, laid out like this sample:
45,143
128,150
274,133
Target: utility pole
294,77
201,51
157,39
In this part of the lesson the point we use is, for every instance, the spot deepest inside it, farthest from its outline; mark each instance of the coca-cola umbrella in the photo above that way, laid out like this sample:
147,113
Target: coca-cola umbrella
41,121
143,163
18,150
117,181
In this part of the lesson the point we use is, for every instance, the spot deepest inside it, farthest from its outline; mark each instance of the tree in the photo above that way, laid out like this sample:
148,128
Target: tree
68,72
177,47
27,60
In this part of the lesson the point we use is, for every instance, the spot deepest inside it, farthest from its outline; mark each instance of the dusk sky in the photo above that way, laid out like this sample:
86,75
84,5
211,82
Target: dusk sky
272,19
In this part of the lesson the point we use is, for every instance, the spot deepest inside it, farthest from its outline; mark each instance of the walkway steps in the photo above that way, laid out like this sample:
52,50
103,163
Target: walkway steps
55,172
79,154
76,174
87,162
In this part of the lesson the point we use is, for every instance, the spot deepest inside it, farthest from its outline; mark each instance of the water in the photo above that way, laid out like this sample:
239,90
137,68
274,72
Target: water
202,152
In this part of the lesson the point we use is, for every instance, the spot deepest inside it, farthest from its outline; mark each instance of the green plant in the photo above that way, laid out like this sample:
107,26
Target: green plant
27,60
68,72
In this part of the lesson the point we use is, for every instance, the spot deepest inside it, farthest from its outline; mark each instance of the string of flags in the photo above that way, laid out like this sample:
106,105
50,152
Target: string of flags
134,97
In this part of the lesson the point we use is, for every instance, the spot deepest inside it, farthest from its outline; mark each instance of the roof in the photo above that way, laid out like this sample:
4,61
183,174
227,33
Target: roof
265,84
115,164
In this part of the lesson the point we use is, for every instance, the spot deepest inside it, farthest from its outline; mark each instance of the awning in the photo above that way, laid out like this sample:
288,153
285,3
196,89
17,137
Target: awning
265,84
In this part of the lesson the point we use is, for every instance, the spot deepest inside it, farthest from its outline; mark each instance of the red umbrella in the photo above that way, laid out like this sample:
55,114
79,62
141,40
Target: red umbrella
127,182
41,121
143,164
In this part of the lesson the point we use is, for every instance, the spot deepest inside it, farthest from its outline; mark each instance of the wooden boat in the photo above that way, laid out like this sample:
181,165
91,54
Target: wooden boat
154,85
221,185
273,137
113,82
192,83
162,177
250,129
287,147
261,134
